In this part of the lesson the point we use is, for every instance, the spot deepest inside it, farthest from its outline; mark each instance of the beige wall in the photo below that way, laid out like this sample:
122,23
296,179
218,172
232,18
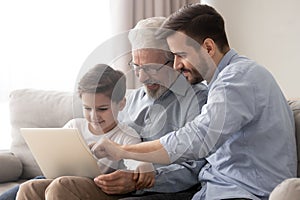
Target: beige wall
267,31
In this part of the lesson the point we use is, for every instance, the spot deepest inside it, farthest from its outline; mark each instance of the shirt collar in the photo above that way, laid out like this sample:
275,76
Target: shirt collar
225,61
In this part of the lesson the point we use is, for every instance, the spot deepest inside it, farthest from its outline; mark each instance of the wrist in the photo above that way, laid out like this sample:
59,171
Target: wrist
124,153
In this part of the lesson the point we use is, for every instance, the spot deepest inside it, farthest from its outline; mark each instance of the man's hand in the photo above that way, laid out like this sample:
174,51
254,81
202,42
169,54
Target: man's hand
106,148
144,175
118,182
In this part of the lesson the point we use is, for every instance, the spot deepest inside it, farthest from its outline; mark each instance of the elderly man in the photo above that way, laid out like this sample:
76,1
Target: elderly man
165,103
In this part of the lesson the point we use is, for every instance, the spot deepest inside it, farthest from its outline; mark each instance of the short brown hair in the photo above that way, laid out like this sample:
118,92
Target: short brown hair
199,22
103,79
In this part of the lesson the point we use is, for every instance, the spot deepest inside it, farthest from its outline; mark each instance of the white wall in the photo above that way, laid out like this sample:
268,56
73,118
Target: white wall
267,31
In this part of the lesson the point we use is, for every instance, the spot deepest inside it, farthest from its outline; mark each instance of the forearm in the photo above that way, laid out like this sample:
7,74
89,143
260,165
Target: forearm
152,151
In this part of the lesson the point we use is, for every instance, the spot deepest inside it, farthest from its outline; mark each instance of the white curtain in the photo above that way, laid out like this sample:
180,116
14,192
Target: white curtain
125,14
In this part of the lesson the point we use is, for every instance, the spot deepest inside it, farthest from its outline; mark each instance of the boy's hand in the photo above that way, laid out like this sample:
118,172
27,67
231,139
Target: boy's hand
144,175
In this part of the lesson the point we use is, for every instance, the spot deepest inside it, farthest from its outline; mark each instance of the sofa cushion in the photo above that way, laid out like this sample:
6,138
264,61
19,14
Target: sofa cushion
295,106
30,108
10,168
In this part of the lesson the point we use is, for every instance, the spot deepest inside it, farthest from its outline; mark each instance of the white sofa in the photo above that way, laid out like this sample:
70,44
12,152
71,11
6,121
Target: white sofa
38,108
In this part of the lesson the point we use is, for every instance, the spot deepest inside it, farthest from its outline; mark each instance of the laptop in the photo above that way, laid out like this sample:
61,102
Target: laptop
61,152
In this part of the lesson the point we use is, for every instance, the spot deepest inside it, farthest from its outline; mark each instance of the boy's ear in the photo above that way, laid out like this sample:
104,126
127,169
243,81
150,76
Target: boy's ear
122,104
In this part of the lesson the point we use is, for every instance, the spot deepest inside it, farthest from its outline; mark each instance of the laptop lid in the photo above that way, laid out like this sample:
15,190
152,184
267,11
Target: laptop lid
61,152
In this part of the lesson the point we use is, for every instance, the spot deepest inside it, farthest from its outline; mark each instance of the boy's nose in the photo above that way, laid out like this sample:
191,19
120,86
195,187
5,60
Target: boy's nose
94,116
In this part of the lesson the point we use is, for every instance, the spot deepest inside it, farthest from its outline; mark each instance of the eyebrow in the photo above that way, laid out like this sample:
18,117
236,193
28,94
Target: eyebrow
179,53
105,105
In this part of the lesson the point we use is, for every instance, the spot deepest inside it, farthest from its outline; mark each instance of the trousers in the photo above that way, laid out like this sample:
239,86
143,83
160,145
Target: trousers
76,188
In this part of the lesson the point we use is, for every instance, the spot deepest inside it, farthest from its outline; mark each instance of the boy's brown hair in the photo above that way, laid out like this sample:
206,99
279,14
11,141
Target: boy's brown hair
103,79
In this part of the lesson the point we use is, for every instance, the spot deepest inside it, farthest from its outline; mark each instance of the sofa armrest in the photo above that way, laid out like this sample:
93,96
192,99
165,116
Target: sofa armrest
10,168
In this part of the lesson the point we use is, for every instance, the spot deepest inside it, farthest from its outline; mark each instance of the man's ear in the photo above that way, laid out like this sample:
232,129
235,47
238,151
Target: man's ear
122,104
210,46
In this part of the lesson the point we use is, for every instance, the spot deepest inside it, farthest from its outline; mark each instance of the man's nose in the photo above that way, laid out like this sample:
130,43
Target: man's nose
177,63
143,76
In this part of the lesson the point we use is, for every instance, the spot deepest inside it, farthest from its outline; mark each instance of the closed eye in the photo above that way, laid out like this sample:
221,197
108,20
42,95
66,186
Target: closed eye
86,108
97,109
102,109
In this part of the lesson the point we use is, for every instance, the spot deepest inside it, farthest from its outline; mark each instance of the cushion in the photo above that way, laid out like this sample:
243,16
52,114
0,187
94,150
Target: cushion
295,106
289,189
31,108
10,168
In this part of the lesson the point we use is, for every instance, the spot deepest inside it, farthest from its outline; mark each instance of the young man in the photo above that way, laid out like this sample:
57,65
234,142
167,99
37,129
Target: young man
246,129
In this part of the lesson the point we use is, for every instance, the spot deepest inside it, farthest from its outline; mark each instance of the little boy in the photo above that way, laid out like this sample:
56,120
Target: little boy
102,91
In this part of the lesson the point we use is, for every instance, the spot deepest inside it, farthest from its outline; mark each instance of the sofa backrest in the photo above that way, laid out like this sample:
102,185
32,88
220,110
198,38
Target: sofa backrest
39,108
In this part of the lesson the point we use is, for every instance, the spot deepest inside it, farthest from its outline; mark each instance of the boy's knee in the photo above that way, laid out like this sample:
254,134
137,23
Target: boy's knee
66,187
57,185
32,189
288,189
28,185
24,186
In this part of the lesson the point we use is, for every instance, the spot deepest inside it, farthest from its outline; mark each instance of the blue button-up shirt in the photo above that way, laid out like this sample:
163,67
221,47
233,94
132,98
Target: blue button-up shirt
245,132
153,118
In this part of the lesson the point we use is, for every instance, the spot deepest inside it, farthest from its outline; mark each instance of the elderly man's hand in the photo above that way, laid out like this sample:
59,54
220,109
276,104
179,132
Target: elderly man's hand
105,148
118,182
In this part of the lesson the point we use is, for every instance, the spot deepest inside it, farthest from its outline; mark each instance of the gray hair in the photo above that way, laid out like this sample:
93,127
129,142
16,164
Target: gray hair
142,36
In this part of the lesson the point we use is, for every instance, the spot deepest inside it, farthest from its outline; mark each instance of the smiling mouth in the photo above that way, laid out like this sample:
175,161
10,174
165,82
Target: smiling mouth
185,72
97,123
152,86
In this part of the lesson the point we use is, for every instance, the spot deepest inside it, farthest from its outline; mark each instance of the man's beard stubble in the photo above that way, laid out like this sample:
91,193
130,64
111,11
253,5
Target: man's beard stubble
155,94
